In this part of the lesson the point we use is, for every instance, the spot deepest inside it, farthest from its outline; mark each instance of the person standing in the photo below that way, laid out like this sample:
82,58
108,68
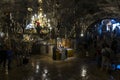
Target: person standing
9,57
3,56
54,52
114,46
63,55
106,52
98,56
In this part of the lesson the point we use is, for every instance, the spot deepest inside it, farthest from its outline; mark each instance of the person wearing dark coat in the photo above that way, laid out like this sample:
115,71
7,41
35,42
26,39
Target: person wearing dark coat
9,57
54,52
3,56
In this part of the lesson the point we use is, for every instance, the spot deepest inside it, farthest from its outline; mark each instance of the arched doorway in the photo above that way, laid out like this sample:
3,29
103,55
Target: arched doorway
103,31
104,28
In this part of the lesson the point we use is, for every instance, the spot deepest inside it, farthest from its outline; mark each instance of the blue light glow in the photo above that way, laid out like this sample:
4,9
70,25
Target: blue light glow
109,25
116,25
118,66
29,26
99,29
113,21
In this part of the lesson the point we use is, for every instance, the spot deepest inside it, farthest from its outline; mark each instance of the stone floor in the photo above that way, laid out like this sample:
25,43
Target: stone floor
44,68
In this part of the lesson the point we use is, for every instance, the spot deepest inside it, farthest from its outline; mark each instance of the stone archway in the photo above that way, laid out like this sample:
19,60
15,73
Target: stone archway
92,19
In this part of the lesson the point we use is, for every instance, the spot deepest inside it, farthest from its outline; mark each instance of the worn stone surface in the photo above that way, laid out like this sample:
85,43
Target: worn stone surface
44,68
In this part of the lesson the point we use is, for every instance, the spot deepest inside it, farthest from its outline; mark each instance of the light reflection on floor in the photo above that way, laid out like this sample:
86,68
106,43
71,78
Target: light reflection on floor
44,68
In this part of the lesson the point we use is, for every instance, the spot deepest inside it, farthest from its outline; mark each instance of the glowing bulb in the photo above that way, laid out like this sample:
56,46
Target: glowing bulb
83,73
40,1
81,34
35,15
46,71
50,28
48,25
33,18
44,15
37,66
48,20
29,9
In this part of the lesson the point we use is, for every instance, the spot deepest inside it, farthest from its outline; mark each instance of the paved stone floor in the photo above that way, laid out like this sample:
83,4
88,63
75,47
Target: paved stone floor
44,68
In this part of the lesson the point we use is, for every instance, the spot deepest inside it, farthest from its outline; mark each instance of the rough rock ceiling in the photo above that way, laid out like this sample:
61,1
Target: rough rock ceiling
66,9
